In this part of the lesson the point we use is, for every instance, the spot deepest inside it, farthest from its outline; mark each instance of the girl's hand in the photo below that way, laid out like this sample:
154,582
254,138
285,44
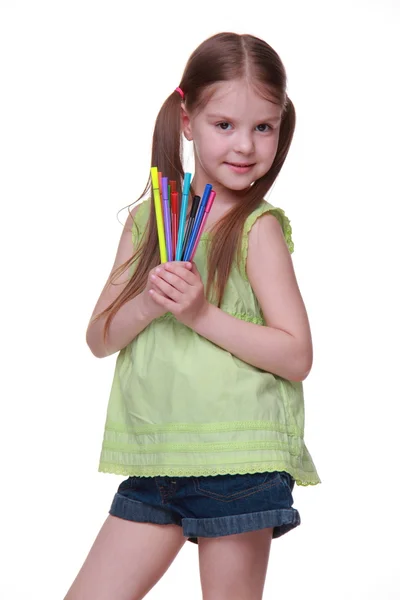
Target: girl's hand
151,308
178,288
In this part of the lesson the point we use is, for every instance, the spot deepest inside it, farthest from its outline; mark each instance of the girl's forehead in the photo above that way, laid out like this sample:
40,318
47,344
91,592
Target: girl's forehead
239,94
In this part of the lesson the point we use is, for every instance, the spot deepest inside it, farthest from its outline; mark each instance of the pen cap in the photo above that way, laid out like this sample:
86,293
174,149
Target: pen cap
160,181
173,185
186,183
174,201
210,201
154,177
165,188
206,194
195,206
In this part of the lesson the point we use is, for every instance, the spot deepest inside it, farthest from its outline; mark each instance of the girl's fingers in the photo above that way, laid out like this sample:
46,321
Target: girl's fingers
166,288
181,271
180,263
173,279
194,269
157,289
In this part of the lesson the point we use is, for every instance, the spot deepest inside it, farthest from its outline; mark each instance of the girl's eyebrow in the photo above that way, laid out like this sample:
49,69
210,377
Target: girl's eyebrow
222,117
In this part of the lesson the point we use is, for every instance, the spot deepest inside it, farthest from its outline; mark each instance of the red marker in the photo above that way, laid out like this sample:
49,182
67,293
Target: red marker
174,214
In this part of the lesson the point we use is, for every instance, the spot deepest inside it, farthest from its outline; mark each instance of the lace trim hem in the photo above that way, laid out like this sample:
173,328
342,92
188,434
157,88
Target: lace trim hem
162,471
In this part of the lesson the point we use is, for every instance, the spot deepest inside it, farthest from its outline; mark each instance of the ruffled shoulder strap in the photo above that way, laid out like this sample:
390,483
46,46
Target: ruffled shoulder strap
264,207
140,222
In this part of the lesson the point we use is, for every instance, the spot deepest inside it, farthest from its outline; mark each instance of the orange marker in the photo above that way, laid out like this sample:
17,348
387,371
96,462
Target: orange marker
160,184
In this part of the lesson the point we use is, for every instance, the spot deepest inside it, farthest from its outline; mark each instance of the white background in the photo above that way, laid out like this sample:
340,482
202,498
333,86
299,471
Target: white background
82,83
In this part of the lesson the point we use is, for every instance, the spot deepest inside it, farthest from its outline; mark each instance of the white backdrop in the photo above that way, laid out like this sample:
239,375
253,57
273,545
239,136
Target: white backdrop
82,82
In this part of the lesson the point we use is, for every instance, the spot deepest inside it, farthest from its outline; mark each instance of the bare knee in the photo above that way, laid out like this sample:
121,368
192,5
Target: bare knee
234,567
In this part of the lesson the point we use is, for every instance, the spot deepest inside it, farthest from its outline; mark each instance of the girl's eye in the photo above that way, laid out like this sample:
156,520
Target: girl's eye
224,126
263,127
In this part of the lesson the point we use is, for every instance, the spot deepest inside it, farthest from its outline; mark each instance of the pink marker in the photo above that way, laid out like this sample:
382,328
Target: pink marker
167,217
203,222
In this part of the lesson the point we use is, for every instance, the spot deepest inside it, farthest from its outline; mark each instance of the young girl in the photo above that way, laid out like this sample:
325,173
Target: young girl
206,412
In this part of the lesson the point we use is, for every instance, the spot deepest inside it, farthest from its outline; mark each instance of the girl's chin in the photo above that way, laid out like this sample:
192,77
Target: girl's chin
236,186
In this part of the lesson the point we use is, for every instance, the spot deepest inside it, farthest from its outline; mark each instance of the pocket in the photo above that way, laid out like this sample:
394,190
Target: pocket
233,487
287,482
287,479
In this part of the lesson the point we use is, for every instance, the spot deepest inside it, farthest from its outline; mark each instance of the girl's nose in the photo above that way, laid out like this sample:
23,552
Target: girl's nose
243,143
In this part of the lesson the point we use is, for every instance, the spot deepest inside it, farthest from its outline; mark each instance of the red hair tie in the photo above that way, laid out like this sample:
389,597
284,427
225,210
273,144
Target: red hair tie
180,92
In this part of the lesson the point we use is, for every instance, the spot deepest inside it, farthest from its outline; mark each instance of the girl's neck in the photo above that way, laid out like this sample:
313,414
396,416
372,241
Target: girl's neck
225,198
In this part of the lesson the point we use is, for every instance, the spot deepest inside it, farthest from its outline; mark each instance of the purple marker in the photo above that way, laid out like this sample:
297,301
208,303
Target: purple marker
203,222
167,217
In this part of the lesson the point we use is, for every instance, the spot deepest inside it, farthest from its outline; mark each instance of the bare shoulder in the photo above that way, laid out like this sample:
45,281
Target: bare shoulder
268,254
267,246
265,230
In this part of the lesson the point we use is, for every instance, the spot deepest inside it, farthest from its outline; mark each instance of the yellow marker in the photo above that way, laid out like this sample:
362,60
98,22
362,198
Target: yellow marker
159,214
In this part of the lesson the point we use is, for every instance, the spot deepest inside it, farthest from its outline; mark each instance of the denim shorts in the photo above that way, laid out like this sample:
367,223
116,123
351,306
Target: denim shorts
211,506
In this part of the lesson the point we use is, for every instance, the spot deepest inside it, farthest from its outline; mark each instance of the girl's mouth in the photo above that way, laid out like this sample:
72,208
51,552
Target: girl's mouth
240,167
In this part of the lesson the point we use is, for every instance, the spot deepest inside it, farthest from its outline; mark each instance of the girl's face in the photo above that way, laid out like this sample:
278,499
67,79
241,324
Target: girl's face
235,136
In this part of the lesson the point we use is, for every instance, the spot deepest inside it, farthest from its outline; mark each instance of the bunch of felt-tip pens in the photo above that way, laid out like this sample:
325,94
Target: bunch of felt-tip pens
178,239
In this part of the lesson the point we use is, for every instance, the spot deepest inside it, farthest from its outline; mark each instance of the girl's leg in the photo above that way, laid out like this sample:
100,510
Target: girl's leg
126,560
234,567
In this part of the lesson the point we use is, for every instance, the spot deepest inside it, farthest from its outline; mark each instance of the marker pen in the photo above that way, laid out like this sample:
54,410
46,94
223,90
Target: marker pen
182,219
174,218
167,217
160,184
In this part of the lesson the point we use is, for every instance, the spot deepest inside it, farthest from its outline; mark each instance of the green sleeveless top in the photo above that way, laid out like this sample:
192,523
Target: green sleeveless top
182,406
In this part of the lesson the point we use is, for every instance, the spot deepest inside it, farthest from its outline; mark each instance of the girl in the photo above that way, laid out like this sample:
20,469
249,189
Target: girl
206,413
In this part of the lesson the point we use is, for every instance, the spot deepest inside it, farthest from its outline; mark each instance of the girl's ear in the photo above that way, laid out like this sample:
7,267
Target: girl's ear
186,127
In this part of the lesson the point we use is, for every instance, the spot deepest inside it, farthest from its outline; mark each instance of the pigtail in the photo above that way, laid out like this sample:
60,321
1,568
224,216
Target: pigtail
167,147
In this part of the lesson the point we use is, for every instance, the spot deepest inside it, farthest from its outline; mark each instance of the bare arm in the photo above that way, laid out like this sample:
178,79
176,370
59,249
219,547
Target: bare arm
266,348
132,318
284,346
129,321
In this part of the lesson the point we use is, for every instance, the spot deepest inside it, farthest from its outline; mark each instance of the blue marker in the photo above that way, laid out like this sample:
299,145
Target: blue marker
197,223
182,218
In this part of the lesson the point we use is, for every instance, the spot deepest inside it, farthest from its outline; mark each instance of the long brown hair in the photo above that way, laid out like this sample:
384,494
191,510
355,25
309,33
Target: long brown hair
222,57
